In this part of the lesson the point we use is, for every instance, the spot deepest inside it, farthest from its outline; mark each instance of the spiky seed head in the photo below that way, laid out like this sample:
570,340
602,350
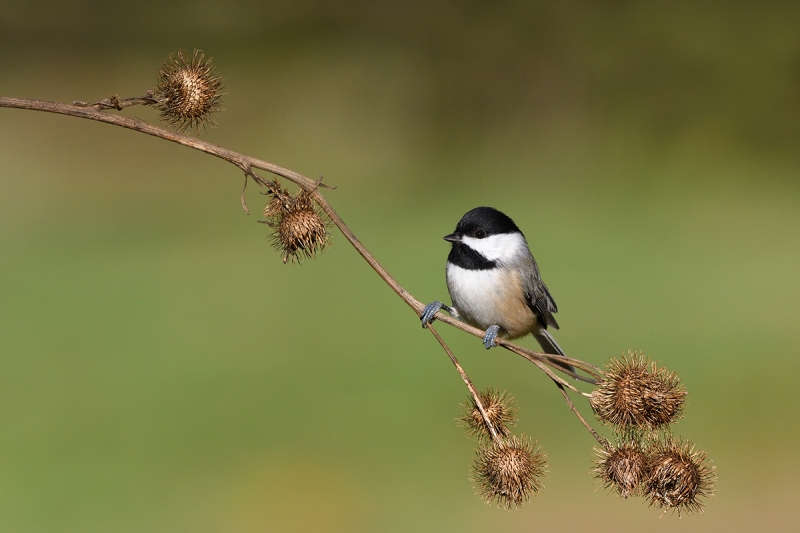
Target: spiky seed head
622,467
679,476
636,393
501,409
188,92
508,471
299,229
281,201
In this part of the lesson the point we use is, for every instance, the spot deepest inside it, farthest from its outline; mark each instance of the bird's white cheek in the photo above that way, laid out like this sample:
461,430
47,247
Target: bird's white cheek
503,248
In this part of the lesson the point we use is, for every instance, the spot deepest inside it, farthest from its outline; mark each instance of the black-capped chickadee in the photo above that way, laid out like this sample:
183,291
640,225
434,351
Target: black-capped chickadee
494,281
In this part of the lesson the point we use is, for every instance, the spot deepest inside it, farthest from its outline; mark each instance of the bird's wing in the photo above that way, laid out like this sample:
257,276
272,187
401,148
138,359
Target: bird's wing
539,299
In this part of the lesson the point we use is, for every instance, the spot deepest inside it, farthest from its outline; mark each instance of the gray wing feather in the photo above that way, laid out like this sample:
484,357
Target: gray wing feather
542,303
539,299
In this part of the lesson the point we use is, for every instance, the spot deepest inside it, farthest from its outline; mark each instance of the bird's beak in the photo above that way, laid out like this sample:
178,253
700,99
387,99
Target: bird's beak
453,237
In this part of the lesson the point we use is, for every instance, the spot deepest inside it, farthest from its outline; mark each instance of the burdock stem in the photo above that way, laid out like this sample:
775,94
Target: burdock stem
115,102
547,370
468,382
247,164
603,442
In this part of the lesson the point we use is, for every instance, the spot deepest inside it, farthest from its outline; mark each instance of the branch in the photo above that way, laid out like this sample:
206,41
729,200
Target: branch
246,164
115,102
242,161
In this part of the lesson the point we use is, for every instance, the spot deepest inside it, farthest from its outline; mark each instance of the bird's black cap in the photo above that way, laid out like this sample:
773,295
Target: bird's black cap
487,221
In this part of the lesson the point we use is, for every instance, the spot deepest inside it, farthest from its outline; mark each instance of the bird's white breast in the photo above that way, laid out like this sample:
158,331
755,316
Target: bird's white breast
475,293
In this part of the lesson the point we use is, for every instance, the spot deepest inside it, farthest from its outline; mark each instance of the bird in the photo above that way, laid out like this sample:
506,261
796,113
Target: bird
495,283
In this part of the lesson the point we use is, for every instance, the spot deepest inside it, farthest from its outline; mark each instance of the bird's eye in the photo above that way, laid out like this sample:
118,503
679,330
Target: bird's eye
480,234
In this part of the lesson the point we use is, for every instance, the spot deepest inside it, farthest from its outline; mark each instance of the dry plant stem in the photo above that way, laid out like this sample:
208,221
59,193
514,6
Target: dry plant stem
244,188
241,161
246,164
559,380
603,442
543,361
475,396
115,102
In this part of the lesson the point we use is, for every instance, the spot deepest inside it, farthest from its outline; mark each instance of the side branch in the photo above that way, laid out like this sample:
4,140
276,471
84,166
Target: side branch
468,382
603,442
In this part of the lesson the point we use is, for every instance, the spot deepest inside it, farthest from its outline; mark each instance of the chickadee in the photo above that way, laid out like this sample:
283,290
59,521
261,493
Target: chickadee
494,282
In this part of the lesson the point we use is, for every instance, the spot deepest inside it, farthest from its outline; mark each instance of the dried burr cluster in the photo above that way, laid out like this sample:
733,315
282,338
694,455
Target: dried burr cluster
507,468
639,402
634,398
299,229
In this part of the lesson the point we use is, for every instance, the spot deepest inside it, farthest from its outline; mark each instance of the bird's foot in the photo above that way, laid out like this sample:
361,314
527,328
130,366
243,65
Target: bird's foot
491,334
429,313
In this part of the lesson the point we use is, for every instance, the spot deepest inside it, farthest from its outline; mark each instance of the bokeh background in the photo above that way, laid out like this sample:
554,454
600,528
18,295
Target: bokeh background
162,370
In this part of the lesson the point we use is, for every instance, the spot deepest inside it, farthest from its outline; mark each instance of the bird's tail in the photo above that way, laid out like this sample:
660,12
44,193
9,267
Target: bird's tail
549,345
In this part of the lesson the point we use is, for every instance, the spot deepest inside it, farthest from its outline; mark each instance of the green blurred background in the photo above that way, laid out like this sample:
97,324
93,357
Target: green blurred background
162,370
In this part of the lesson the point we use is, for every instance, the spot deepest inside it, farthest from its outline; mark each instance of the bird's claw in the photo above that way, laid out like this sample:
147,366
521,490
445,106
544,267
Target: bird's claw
491,334
429,313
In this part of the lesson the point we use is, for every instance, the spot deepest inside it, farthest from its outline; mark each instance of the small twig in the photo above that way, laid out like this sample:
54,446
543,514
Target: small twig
552,375
244,202
544,361
603,442
553,360
115,102
248,171
475,396
325,185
